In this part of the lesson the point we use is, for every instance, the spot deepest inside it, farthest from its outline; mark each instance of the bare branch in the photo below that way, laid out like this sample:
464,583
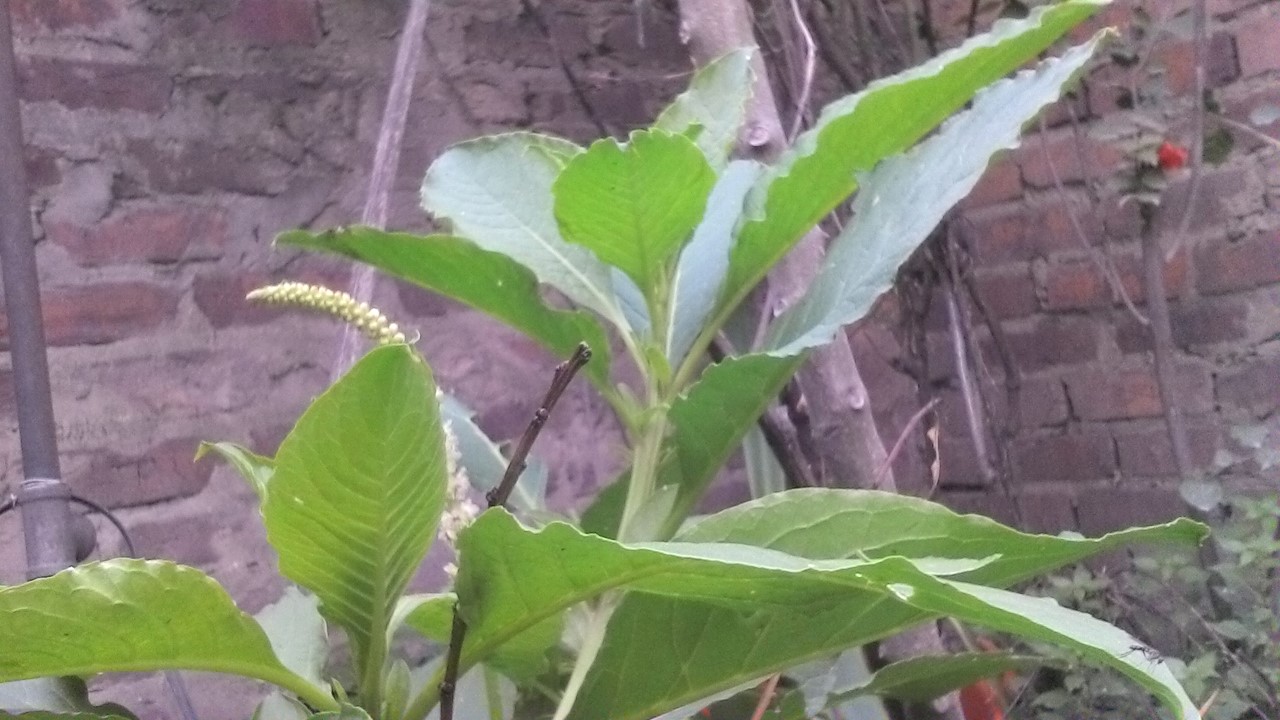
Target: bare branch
806,85
1198,22
902,439
498,497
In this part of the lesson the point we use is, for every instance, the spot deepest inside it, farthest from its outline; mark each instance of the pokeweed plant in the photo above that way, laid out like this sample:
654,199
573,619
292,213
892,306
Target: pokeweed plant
656,241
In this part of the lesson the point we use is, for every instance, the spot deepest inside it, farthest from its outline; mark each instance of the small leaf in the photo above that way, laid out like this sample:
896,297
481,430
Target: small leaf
297,633
635,204
254,468
1203,494
716,101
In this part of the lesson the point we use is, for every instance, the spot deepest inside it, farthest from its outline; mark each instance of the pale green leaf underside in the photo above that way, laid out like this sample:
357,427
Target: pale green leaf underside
634,204
715,102
67,695
906,196
921,679
487,281
524,657
358,490
128,615
297,633
854,133
496,192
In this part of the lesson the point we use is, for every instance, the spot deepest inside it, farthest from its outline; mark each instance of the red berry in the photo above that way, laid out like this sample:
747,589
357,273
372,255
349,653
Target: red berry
1170,156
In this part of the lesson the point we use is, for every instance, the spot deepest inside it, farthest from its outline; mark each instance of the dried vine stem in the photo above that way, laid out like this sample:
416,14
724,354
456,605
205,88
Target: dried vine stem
902,440
386,160
1198,31
497,497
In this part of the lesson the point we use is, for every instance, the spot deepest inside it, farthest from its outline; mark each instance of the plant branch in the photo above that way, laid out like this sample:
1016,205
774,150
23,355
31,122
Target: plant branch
497,497
902,439
806,85
386,160
1099,258
1200,40
767,691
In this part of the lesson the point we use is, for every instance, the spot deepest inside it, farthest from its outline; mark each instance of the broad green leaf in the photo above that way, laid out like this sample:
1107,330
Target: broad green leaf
524,657
511,578
496,192
704,261
854,133
484,462
824,523
723,646
127,615
710,419
905,197
603,516
67,695
634,204
358,491
297,633
715,104
487,281
254,468
924,678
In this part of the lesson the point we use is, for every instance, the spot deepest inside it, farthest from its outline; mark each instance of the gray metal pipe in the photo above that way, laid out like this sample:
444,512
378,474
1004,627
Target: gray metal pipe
46,515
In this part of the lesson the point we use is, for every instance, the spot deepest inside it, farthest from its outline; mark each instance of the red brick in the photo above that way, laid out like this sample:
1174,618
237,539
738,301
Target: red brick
42,167
102,313
1251,109
1195,323
61,14
1123,393
1074,161
1049,341
1225,266
1007,294
162,472
187,540
1065,458
1149,453
1217,203
1177,57
424,303
196,167
1254,388
1256,43
1082,285
1105,510
985,503
999,235
1049,513
277,22
220,298
1042,403
1024,232
79,84
1001,182
156,235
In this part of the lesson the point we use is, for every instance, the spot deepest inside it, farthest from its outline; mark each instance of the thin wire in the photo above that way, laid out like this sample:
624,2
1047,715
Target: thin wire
110,516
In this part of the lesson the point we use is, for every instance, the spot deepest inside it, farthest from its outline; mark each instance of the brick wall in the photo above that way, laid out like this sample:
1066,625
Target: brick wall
1092,452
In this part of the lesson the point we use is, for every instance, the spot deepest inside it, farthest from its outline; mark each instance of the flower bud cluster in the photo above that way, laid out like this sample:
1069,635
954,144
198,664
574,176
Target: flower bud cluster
369,320
459,509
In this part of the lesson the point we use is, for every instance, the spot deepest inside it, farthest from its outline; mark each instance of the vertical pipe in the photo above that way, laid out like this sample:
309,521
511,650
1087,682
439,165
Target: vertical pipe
42,495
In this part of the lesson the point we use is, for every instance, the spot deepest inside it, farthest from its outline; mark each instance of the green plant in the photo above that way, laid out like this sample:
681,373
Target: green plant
661,238
1223,649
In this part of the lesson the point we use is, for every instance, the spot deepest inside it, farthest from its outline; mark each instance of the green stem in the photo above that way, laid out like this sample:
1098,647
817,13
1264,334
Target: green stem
317,697
644,471
429,696
371,679
592,641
